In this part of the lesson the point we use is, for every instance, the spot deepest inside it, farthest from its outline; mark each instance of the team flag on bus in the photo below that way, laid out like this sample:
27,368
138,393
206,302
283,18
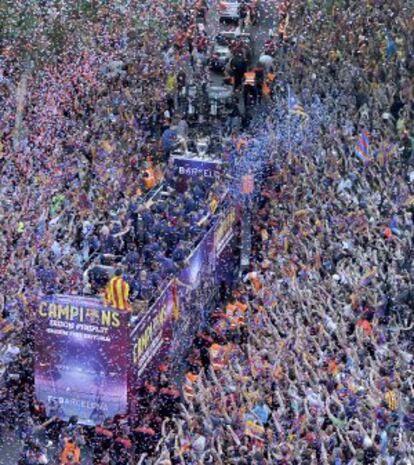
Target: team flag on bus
362,147
117,292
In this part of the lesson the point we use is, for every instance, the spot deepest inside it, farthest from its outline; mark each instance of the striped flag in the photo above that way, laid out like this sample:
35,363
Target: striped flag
247,184
5,329
391,400
116,293
294,107
254,430
385,152
362,147
298,110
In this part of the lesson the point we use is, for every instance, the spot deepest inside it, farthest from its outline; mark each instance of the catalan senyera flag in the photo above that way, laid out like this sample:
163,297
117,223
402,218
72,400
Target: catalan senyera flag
294,107
385,152
254,430
298,110
116,293
391,400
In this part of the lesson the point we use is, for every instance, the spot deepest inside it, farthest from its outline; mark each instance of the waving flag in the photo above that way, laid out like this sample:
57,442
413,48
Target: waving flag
298,110
368,277
254,430
117,292
362,147
247,184
385,152
294,106
5,329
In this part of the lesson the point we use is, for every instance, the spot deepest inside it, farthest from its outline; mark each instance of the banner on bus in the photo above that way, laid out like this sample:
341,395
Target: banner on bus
225,251
224,230
151,337
197,167
195,287
82,360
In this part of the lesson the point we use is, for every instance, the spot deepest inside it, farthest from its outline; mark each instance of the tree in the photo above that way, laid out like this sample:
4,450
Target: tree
39,30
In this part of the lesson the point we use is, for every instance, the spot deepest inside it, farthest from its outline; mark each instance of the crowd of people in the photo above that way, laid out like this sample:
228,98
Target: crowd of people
310,360
316,367
82,137
91,130
178,221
